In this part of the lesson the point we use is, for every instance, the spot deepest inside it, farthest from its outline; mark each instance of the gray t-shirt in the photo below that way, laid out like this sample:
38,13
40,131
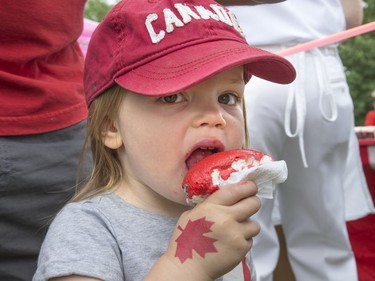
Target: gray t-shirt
106,238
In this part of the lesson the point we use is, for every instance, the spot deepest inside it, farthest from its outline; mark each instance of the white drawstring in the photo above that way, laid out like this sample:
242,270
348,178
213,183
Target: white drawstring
296,97
325,90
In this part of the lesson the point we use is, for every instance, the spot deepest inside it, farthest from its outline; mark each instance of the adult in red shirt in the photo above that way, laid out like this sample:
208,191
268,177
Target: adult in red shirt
370,116
42,123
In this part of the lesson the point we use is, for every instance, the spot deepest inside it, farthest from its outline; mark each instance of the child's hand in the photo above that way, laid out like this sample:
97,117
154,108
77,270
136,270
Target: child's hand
213,237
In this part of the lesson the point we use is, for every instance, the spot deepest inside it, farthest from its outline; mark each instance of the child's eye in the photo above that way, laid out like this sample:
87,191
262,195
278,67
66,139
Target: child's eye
229,99
173,98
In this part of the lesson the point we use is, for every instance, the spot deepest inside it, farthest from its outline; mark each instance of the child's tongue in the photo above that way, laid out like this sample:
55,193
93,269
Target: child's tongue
197,156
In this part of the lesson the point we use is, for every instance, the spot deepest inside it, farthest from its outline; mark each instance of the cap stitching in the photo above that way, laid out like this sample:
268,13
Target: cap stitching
192,65
164,52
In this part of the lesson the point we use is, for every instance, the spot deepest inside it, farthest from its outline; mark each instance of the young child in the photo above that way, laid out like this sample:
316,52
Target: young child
164,81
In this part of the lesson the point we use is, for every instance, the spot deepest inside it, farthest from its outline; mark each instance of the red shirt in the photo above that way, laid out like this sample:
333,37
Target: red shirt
370,118
41,66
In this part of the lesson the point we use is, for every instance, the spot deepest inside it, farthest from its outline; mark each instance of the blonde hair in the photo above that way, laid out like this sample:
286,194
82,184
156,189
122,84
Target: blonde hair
246,142
106,166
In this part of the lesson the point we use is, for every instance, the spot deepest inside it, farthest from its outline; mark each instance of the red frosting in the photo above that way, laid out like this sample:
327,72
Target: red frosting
198,180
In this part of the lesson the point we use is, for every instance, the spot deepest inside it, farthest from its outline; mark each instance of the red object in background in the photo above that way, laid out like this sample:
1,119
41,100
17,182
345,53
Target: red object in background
370,118
362,231
367,151
362,237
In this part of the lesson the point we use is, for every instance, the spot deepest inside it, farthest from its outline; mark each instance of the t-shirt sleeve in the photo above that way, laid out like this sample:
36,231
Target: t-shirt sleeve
80,241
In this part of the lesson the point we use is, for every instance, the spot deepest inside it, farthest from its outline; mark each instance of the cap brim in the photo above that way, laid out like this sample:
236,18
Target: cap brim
185,67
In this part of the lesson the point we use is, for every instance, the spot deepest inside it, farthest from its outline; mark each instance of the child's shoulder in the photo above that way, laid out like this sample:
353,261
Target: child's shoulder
85,211
101,206
85,222
81,230
107,210
104,209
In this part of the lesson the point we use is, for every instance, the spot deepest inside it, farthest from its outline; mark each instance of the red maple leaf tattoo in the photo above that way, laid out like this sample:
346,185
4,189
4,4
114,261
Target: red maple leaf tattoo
192,238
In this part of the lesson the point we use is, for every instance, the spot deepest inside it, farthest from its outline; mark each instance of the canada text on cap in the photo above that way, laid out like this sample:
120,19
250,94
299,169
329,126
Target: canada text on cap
160,47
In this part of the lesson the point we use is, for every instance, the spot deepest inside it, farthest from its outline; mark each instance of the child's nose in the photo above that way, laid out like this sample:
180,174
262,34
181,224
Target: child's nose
211,116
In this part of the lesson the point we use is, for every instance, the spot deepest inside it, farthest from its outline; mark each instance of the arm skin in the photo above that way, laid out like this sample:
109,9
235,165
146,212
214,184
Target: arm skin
248,2
353,11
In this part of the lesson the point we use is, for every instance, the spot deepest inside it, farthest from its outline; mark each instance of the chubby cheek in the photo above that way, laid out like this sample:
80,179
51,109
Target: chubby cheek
170,167
168,183
170,177
158,166
177,195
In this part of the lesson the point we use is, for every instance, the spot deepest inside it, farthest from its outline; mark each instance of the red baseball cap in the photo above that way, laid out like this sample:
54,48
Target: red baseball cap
160,47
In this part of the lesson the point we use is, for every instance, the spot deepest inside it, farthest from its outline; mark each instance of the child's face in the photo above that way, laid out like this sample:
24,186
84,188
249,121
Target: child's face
160,133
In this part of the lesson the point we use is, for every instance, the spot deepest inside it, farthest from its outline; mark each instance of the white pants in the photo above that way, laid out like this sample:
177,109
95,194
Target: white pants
311,201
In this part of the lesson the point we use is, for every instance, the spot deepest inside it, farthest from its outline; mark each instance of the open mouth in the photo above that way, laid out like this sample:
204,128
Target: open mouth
199,154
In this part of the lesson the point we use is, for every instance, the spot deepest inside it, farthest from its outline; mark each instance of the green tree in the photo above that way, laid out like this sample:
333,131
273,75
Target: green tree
96,9
358,56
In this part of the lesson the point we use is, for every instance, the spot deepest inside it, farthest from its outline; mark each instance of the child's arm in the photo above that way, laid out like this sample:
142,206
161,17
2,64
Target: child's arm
212,238
353,11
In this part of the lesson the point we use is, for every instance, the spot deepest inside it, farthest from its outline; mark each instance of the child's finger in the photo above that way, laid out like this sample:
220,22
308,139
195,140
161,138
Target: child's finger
245,208
233,193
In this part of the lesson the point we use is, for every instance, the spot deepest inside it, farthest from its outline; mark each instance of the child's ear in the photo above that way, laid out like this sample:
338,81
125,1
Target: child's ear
111,136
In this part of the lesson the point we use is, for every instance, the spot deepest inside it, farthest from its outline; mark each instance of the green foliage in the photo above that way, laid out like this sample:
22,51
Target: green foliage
358,56
96,9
